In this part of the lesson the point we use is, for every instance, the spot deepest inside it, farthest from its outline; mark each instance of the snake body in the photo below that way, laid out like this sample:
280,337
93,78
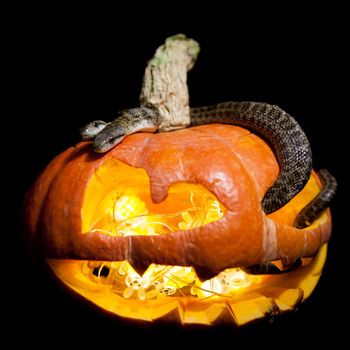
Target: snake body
280,129
285,135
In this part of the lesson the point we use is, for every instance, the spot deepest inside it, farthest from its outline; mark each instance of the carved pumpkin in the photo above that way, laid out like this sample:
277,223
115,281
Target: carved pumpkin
158,227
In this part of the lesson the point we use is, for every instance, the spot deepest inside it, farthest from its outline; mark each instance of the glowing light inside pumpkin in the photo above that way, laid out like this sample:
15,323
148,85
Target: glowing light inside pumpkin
127,207
118,202
132,217
160,281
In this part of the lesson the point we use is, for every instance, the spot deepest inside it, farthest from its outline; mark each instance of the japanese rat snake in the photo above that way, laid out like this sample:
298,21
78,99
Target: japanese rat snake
285,135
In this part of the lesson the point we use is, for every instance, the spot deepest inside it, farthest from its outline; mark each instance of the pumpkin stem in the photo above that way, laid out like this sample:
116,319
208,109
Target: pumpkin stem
164,84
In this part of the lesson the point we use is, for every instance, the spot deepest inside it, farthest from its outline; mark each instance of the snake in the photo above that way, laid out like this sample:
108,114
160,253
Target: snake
277,127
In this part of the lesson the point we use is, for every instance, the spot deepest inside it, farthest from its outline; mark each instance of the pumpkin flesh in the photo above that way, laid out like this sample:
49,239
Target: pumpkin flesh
126,196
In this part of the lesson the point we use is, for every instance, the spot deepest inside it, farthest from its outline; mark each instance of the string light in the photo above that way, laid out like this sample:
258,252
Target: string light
132,217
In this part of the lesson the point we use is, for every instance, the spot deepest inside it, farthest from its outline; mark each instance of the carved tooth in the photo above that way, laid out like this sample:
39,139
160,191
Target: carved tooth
140,268
205,274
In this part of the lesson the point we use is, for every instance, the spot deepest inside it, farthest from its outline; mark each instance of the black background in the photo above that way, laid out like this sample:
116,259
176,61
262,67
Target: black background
72,66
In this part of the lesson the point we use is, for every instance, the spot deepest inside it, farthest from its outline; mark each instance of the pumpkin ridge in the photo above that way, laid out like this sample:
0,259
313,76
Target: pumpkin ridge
76,163
35,210
236,148
223,141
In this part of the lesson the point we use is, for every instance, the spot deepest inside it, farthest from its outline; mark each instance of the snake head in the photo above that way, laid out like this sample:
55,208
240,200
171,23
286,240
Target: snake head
90,130
109,137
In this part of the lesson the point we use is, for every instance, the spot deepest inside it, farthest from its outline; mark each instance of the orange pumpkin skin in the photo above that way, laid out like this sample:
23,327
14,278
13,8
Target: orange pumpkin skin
233,164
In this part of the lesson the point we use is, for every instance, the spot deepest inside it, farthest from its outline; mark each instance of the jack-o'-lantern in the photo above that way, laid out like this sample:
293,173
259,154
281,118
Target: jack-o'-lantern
163,226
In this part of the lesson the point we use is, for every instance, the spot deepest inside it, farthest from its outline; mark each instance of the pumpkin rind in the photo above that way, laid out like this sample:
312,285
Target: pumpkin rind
233,164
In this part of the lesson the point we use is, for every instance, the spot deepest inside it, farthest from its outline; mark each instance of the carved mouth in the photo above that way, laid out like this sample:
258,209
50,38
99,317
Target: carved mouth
118,203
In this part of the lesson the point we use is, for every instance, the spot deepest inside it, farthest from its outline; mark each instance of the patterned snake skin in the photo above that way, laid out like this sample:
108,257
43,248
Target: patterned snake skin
276,126
309,213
